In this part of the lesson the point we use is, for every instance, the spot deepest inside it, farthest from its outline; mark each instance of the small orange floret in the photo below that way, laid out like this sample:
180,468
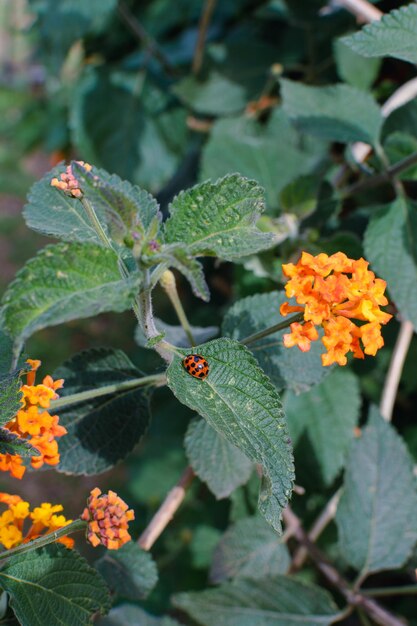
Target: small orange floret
332,291
68,183
107,516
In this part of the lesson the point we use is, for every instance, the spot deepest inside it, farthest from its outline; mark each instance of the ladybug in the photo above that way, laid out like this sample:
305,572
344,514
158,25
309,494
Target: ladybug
196,365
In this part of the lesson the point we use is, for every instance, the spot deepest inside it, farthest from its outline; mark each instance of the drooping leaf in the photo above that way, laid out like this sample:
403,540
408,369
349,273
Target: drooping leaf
238,400
217,95
145,144
377,512
286,367
176,256
219,218
10,443
353,68
176,334
122,209
337,112
65,282
249,549
215,460
275,601
104,429
274,154
327,414
130,572
393,35
54,586
131,615
390,245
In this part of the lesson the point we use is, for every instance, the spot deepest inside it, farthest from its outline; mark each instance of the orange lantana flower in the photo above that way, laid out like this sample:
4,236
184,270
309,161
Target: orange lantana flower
108,517
14,529
332,291
33,423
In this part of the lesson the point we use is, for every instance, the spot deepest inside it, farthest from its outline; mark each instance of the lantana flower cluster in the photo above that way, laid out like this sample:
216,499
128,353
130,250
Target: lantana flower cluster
333,292
108,517
44,519
35,424
68,183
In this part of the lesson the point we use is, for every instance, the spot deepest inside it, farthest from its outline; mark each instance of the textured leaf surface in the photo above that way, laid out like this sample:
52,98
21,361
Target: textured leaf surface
54,586
249,549
277,601
287,368
391,247
219,218
238,400
122,208
338,113
10,396
394,36
130,572
6,353
215,460
130,615
12,444
65,282
328,414
377,512
274,154
102,430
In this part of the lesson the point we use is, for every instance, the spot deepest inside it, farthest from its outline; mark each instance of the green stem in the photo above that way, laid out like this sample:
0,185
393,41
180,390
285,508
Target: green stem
272,329
167,281
82,396
45,540
407,590
107,243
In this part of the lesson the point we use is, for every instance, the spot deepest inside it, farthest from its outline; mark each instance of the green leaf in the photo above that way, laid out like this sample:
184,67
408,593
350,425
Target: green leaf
215,460
176,334
130,615
122,209
353,68
145,144
398,146
65,282
390,245
377,512
219,218
394,35
54,586
176,256
10,395
249,549
102,430
130,572
275,601
287,368
272,153
238,400
217,95
10,443
204,540
62,23
327,414
337,112
300,197
6,353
